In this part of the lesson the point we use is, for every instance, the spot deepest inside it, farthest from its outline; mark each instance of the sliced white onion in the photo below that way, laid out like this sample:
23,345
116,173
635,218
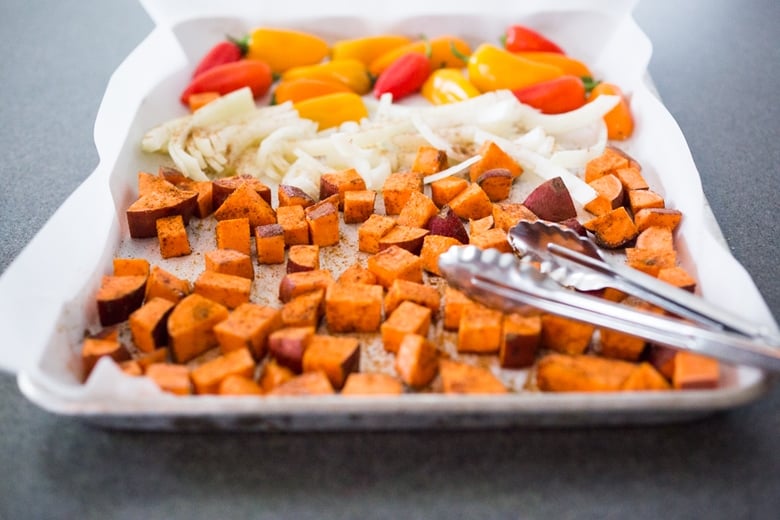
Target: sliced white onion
568,121
237,103
452,170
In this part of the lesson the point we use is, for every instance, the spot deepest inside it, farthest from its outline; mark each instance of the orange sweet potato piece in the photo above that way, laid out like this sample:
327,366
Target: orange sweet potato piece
655,238
694,371
612,230
463,378
395,263
417,211
407,318
353,307
94,348
609,161
405,237
678,277
479,330
397,188
131,368
229,261
303,258
274,375
236,384
311,383
496,183
581,373
224,187
248,327
149,324
118,297
433,247
358,205
642,199
507,214
164,200
472,203
234,234
269,244
619,345
417,360
338,183
323,220
493,157
337,357
663,217
645,377
245,202
294,284
454,303
288,344
174,379
371,232
293,196
520,340
293,221
482,225
631,178
207,377
429,160
565,335
159,355
131,267
611,194
166,285
404,290
494,238
356,273
304,310
226,289
371,383
191,326
650,261
444,190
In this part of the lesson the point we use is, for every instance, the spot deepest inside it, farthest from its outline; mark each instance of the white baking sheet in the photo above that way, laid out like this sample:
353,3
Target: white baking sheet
45,307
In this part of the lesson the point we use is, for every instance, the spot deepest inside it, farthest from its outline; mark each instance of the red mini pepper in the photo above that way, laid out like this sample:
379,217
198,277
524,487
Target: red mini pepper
404,76
221,53
228,77
554,96
519,38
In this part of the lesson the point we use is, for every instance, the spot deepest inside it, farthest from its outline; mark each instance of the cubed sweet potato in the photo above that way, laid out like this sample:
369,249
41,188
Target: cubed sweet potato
356,273
234,234
274,375
494,238
338,183
336,356
507,214
429,160
581,373
662,217
358,205
407,318
481,225
520,340
419,293
395,263
619,345
472,203
642,199
323,220
606,163
303,258
493,157
165,200
614,229
118,296
371,232
454,303
631,178
311,383
417,360
479,330
149,324
433,247
294,284
405,237
191,326
610,194
417,211
236,384
656,239
225,186
304,310
248,327
551,201
353,307
226,289
131,267
397,188
695,372
444,190
447,223
645,377
565,335
207,377
678,277
94,348
288,344
462,378
293,196
293,222
171,378
245,202
371,383
229,261
269,244
166,285
650,261
496,183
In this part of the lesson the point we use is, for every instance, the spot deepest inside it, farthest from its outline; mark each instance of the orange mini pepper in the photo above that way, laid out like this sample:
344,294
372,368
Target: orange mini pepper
619,120
439,51
566,63
305,88
332,109
368,48
350,72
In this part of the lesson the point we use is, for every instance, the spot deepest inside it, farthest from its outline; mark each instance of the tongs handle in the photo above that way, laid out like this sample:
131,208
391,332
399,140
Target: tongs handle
500,281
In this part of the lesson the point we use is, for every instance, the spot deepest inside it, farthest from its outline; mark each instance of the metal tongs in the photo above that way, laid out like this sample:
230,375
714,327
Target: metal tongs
562,260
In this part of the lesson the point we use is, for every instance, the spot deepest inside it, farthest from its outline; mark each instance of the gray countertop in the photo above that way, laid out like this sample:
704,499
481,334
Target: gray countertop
715,64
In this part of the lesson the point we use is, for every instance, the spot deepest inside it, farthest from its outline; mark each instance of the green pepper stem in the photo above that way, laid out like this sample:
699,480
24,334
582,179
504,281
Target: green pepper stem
454,50
589,83
242,44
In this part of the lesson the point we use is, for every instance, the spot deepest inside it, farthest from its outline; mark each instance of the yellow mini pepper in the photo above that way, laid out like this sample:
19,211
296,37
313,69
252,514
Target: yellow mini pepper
448,86
332,109
368,48
351,73
492,68
283,49
566,63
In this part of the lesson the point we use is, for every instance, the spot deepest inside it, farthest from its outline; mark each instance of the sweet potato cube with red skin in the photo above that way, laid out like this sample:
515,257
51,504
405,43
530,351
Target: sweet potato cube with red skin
662,359
288,344
336,356
226,289
166,285
303,258
695,372
149,183
606,163
244,202
94,348
207,377
492,239
405,237
444,190
472,203
462,378
551,201
643,378
407,318
304,310
454,303
295,284
520,340
205,191
224,187
429,160
417,361
650,261
397,188
642,199
353,308
149,324
371,232
293,222
191,326
338,183
358,205
663,217
118,297
131,267
274,375
419,293
493,157
323,220
631,178
447,223
311,383
418,211
288,195
269,244
565,335
507,214
395,263
581,373
614,229
248,326
619,345
497,183
230,261
236,384
610,195
371,383
656,239
171,378
678,277
433,246
142,215
479,330
356,273
234,234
